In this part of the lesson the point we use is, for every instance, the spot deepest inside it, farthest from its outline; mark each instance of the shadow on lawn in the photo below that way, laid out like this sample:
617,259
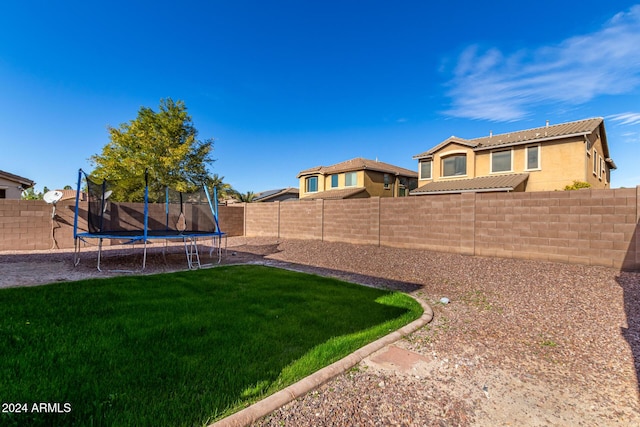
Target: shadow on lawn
259,254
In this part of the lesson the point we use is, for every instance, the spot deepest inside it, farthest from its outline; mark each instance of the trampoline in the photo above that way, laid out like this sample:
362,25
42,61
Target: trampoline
165,215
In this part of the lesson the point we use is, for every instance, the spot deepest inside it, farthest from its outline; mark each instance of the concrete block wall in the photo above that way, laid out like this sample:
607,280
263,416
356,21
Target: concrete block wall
585,227
231,219
27,224
592,227
353,221
262,219
301,220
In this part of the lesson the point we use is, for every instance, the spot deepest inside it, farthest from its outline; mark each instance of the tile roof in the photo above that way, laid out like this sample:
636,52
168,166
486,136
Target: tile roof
507,182
544,133
343,193
359,164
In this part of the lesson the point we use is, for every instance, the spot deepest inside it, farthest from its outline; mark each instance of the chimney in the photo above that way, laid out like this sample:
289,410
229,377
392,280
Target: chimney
490,133
547,123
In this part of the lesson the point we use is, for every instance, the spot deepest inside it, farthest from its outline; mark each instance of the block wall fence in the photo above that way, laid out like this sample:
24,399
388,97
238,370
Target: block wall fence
28,225
591,227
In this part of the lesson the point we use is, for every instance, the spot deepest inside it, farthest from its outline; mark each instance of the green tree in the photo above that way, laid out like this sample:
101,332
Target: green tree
247,197
164,143
223,190
31,194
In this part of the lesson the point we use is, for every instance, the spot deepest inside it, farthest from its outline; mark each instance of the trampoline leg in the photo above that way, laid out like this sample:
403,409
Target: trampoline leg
76,252
144,256
99,253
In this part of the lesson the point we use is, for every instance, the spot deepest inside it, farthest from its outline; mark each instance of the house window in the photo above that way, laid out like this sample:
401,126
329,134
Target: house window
454,165
334,181
533,157
425,170
387,181
501,161
3,193
312,184
600,167
350,179
595,161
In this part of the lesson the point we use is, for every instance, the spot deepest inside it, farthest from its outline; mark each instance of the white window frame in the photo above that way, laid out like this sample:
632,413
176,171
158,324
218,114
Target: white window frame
443,157
306,184
595,162
600,168
510,150
430,169
526,158
346,181
337,180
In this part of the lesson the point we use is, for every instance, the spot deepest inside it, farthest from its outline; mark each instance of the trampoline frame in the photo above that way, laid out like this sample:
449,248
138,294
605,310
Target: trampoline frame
189,238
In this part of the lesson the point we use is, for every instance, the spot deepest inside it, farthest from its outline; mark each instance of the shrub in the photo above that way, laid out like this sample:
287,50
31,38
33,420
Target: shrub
577,185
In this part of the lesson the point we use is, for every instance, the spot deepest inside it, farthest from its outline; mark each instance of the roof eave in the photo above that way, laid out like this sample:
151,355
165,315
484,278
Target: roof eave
611,163
481,190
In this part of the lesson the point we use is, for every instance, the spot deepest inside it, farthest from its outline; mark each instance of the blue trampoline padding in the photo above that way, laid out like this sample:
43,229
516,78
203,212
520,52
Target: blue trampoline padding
135,235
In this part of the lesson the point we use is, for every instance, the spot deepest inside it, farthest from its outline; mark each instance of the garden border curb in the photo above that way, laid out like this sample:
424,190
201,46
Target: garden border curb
270,403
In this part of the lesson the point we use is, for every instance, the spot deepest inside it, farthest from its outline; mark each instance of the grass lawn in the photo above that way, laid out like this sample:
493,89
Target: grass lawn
179,349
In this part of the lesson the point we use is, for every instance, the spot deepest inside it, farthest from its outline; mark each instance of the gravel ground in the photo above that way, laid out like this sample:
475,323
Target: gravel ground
521,343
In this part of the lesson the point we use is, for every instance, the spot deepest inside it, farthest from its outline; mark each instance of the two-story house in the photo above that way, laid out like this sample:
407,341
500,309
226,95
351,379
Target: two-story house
356,178
540,159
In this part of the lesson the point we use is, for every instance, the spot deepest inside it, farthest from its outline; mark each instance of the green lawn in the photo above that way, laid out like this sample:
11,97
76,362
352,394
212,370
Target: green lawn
177,349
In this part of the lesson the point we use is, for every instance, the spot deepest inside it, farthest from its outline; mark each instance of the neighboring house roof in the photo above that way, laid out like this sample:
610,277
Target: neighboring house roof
265,196
477,185
528,136
343,193
24,182
71,194
359,164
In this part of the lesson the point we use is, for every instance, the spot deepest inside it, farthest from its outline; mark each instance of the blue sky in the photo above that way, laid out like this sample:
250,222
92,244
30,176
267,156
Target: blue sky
283,86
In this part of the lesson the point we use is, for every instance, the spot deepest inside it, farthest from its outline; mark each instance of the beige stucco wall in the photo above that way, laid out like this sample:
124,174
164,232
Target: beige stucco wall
560,164
596,180
11,189
436,165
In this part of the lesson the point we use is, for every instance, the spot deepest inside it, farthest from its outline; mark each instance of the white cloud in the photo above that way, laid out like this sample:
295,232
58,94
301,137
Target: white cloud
626,118
494,86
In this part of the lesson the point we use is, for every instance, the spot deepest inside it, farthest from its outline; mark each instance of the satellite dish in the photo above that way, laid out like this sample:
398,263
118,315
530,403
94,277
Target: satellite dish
52,197
107,194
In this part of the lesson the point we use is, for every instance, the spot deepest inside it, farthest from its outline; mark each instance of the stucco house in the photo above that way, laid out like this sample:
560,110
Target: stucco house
12,186
546,158
356,178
